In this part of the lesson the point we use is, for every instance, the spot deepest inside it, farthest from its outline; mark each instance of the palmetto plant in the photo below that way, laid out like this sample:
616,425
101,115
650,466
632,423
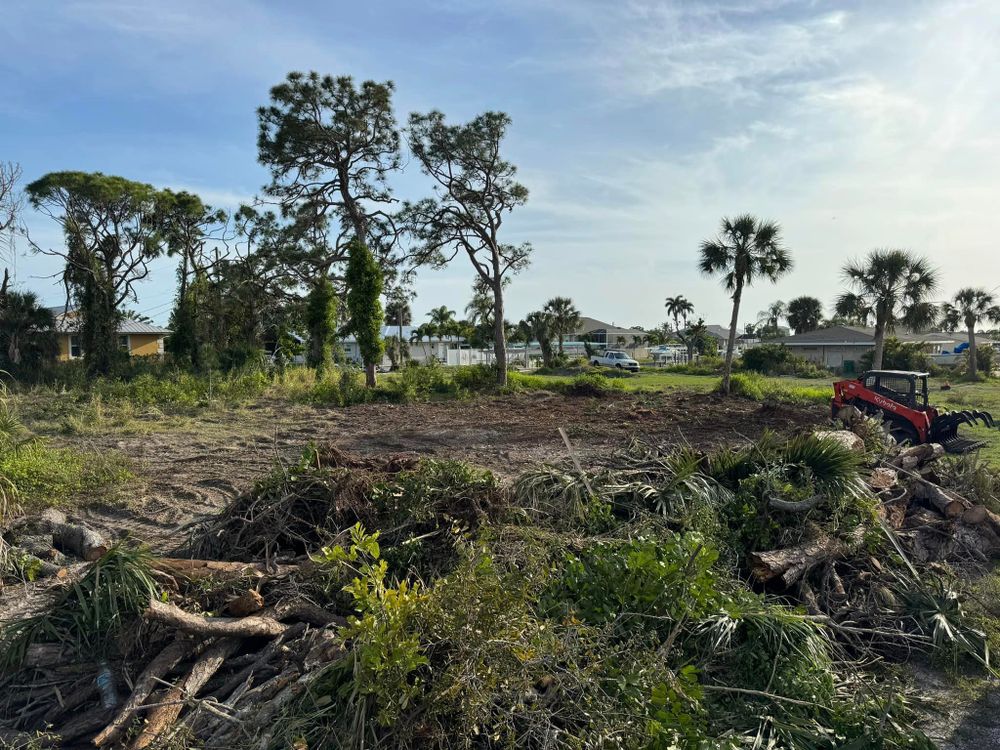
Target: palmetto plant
889,286
89,615
971,307
745,250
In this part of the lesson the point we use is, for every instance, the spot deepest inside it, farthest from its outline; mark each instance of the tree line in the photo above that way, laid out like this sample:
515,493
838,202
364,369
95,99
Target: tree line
327,229
886,289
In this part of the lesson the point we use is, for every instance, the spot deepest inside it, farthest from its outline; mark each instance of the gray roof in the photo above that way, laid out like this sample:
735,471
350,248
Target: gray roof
863,336
72,325
718,332
590,325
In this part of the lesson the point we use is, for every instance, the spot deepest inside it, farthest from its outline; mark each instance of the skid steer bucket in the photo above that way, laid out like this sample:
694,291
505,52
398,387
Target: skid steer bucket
944,429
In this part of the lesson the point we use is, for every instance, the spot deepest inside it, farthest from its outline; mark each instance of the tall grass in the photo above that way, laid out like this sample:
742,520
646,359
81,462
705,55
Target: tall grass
757,387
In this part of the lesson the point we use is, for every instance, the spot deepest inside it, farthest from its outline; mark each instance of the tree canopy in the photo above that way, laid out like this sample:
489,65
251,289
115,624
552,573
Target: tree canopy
113,228
474,188
745,250
890,287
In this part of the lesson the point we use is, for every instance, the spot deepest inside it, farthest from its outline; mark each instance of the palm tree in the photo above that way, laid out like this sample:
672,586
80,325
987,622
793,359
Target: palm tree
972,306
522,332
804,314
399,314
26,328
678,308
442,323
771,317
892,287
745,250
541,329
565,318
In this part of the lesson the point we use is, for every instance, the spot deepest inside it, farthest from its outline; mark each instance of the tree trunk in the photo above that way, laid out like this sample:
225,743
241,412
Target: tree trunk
560,343
499,335
973,361
727,369
880,324
370,379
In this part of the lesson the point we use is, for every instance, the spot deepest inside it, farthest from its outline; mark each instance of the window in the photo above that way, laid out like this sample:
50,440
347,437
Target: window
75,349
123,342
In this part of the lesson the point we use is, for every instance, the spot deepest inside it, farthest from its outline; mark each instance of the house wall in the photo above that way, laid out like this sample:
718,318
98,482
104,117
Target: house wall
140,345
145,344
63,348
832,356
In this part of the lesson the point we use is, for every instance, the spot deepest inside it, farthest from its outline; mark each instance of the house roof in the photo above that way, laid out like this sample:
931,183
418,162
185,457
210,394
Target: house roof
72,325
590,325
717,332
863,336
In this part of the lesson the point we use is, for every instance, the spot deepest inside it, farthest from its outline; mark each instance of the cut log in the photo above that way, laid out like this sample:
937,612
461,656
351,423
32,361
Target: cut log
948,503
150,678
917,455
245,627
79,540
195,569
792,563
163,717
882,478
974,515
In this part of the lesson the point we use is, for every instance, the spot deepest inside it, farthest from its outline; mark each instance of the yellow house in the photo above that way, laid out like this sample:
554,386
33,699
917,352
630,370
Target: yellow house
137,338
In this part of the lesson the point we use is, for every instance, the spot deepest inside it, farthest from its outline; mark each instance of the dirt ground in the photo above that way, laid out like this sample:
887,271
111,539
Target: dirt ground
184,476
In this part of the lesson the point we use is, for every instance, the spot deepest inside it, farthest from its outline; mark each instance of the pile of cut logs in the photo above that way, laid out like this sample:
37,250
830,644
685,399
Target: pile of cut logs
933,522
220,678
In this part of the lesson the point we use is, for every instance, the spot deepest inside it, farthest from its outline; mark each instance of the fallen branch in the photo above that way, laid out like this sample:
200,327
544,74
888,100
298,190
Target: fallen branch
239,627
163,717
793,562
196,569
795,507
166,660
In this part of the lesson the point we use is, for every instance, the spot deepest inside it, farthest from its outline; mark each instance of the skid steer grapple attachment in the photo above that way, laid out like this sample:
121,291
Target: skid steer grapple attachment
944,429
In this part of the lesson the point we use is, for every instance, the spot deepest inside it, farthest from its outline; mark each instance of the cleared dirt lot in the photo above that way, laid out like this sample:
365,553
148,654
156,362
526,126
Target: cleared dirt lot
185,475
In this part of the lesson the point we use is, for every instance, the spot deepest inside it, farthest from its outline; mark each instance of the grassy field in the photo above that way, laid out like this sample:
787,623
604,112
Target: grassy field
984,396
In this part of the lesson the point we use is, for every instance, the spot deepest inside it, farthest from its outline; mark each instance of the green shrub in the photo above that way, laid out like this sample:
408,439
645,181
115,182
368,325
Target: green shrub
777,359
594,384
898,355
756,387
655,583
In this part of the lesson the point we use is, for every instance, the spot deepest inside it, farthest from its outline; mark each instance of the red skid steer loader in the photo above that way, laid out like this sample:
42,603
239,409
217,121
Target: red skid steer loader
899,398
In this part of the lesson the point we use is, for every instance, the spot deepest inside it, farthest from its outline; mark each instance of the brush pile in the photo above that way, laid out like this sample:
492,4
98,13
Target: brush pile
659,597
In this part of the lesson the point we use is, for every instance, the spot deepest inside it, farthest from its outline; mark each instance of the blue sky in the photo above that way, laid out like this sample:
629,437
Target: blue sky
637,125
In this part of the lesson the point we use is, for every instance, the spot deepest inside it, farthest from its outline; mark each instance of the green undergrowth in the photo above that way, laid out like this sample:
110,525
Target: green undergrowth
34,474
611,608
345,387
605,609
757,387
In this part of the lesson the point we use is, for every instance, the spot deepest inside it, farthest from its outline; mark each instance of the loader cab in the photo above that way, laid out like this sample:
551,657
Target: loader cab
904,387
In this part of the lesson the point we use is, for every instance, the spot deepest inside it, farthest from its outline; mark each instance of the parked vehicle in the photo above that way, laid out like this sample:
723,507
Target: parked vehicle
615,359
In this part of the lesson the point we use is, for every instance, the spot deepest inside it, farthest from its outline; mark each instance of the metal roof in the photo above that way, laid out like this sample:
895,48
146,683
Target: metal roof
72,325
